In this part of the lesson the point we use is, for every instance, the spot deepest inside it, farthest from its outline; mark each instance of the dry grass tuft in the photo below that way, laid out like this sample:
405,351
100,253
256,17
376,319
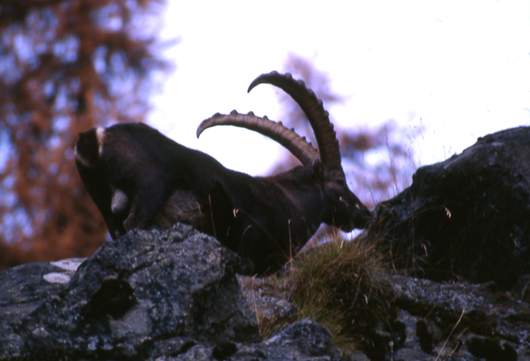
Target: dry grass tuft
340,285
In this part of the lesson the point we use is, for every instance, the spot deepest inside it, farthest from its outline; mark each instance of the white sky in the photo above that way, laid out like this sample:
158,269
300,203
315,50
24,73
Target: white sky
460,69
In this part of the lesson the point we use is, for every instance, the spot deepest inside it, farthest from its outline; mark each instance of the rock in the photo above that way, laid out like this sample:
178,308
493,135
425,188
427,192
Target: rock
464,321
429,321
464,218
147,294
303,340
151,295
266,298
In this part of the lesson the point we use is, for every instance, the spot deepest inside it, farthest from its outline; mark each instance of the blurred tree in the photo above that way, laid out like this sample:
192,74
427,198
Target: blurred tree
65,66
379,159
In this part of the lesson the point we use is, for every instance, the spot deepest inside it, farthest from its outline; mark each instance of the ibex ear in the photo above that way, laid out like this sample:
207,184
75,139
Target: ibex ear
318,170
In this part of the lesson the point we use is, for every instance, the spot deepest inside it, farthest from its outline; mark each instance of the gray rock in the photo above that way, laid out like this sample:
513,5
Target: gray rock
147,294
151,295
266,298
303,340
466,217
464,321
310,340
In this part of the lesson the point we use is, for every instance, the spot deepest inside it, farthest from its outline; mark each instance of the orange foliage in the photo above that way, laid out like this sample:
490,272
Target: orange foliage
66,66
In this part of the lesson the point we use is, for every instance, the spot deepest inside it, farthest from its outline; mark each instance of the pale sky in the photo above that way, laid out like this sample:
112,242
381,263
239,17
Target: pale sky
459,69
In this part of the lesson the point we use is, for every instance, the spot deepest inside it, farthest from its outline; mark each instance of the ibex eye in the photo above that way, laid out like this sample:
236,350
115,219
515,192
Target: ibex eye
341,182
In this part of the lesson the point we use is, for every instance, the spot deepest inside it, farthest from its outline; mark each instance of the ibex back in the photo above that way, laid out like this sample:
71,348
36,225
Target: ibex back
139,178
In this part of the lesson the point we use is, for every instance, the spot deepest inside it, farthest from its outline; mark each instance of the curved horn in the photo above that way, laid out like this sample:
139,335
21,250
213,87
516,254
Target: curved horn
328,145
297,145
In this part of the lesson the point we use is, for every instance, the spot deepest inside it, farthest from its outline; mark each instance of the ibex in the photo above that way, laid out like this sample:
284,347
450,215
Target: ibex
139,178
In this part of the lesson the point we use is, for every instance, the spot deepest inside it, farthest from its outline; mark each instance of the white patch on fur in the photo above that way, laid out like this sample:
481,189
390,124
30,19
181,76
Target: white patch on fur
120,201
100,134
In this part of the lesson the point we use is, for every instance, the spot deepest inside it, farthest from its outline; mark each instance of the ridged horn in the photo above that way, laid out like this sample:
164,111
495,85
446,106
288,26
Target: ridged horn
328,145
296,144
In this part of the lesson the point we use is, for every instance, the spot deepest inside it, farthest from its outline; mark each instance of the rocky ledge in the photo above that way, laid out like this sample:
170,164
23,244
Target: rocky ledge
173,295
151,295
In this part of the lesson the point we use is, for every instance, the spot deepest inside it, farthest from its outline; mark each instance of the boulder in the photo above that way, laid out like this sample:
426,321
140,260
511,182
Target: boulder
150,295
464,218
144,295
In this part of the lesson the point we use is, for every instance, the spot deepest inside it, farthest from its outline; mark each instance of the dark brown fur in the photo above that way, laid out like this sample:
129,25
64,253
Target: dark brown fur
139,178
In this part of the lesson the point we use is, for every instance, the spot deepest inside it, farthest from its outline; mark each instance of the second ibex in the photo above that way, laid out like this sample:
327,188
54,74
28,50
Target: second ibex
139,178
